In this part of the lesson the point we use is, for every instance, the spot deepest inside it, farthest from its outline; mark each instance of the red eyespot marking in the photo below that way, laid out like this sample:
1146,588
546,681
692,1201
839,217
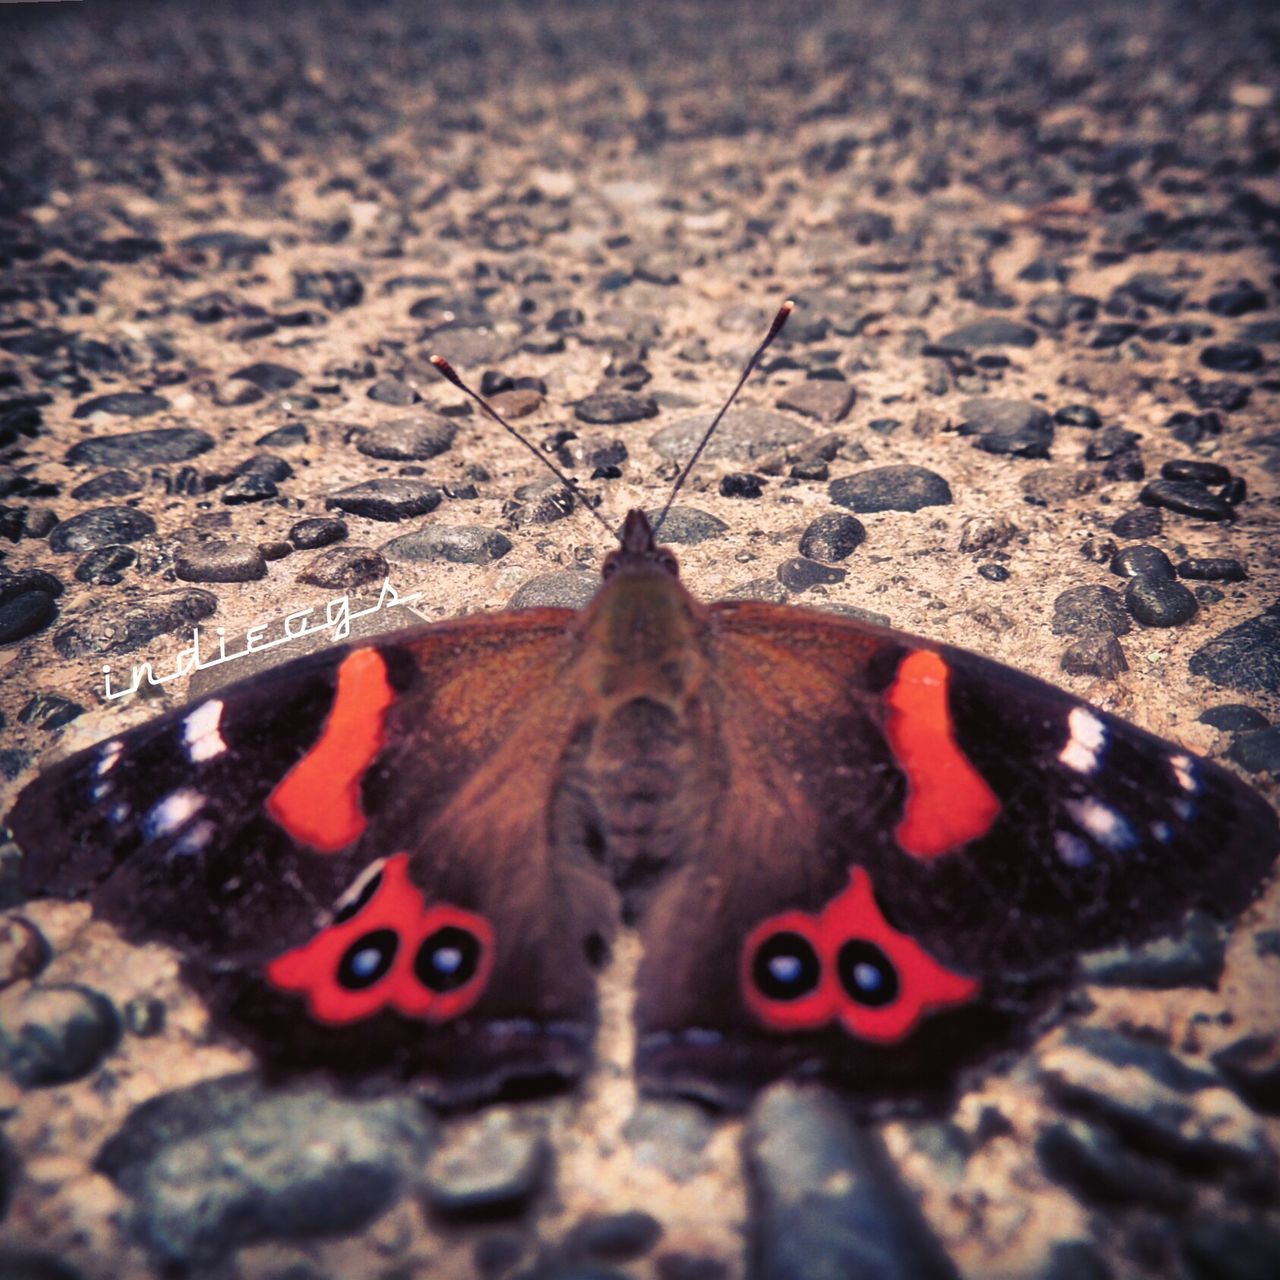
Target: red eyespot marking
318,800
885,981
784,980
394,952
948,801
799,972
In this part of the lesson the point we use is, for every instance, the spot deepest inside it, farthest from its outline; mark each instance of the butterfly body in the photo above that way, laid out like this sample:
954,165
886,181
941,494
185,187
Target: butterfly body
846,851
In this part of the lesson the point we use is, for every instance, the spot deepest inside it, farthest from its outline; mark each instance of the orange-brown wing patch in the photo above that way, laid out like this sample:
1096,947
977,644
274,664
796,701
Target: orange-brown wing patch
318,801
948,801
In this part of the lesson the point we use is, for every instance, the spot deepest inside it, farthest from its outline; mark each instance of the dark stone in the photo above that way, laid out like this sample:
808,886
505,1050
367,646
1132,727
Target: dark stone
1231,717
275,550
1076,1260
387,499
670,1135
827,1202
130,404
1141,561
1245,657
494,1164
110,484
288,436
1111,334
35,1264
539,502
1078,415
688,526
141,448
1193,957
1015,427
893,488
994,572
1090,608
267,376
741,484
318,531
1231,357
1258,750
743,434
120,630
1142,522
1160,602
1196,470
799,574
831,537
680,1265
24,952
230,1162
1237,299
13,585
407,439
564,589
1149,289
1177,333
56,1034
1194,428
456,543
346,566
334,290
827,401
1109,443
252,486
617,1237
615,408
1221,1249
25,614
220,562
1096,653
1187,497
1092,1162
1058,310
993,331
1252,1066
1212,569
101,527
49,711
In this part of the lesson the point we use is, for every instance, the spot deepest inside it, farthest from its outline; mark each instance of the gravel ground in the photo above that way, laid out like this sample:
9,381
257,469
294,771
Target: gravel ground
1027,404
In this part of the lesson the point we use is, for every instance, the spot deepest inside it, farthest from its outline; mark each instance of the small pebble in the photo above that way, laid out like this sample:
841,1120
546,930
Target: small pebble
387,499
799,574
741,484
1096,653
831,537
1187,497
345,566
1212,569
1141,561
220,562
318,531
1232,717
1160,602
103,526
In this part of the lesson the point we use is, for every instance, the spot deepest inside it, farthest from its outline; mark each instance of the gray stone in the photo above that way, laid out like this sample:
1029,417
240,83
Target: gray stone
992,331
407,439
1015,427
1245,657
687,526
742,435
387,499
350,565
1090,608
230,1162
493,1164
56,1034
457,543
121,630
219,562
103,526
826,400
563,589
828,1204
893,488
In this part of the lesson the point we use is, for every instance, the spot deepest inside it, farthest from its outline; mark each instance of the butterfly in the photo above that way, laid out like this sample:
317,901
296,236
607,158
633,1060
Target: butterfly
848,852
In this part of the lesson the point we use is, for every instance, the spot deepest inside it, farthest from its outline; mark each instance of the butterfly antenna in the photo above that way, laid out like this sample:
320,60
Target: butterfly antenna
774,329
447,371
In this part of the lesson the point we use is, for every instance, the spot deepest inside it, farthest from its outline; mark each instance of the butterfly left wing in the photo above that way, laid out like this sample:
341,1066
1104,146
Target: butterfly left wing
350,853
913,845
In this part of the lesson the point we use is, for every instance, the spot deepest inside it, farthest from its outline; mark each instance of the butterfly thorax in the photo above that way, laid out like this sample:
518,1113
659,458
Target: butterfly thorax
638,776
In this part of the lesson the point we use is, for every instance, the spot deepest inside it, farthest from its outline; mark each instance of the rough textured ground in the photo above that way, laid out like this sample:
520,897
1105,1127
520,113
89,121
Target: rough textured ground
258,225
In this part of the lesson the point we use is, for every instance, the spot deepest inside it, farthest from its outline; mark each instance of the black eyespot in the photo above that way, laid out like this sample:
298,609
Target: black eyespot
867,974
447,959
368,959
786,967
360,901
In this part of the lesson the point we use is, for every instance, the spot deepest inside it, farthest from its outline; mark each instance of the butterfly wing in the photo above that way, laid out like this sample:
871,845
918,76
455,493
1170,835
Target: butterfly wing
910,859
351,853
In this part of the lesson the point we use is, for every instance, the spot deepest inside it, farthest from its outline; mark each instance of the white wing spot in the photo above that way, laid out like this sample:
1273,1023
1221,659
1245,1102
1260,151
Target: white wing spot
1104,824
1074,850
108,755
176,809
1088,739
1184,769
200,732
196,839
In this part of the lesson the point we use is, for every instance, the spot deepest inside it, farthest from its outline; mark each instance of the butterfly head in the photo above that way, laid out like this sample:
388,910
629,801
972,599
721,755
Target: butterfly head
639,551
